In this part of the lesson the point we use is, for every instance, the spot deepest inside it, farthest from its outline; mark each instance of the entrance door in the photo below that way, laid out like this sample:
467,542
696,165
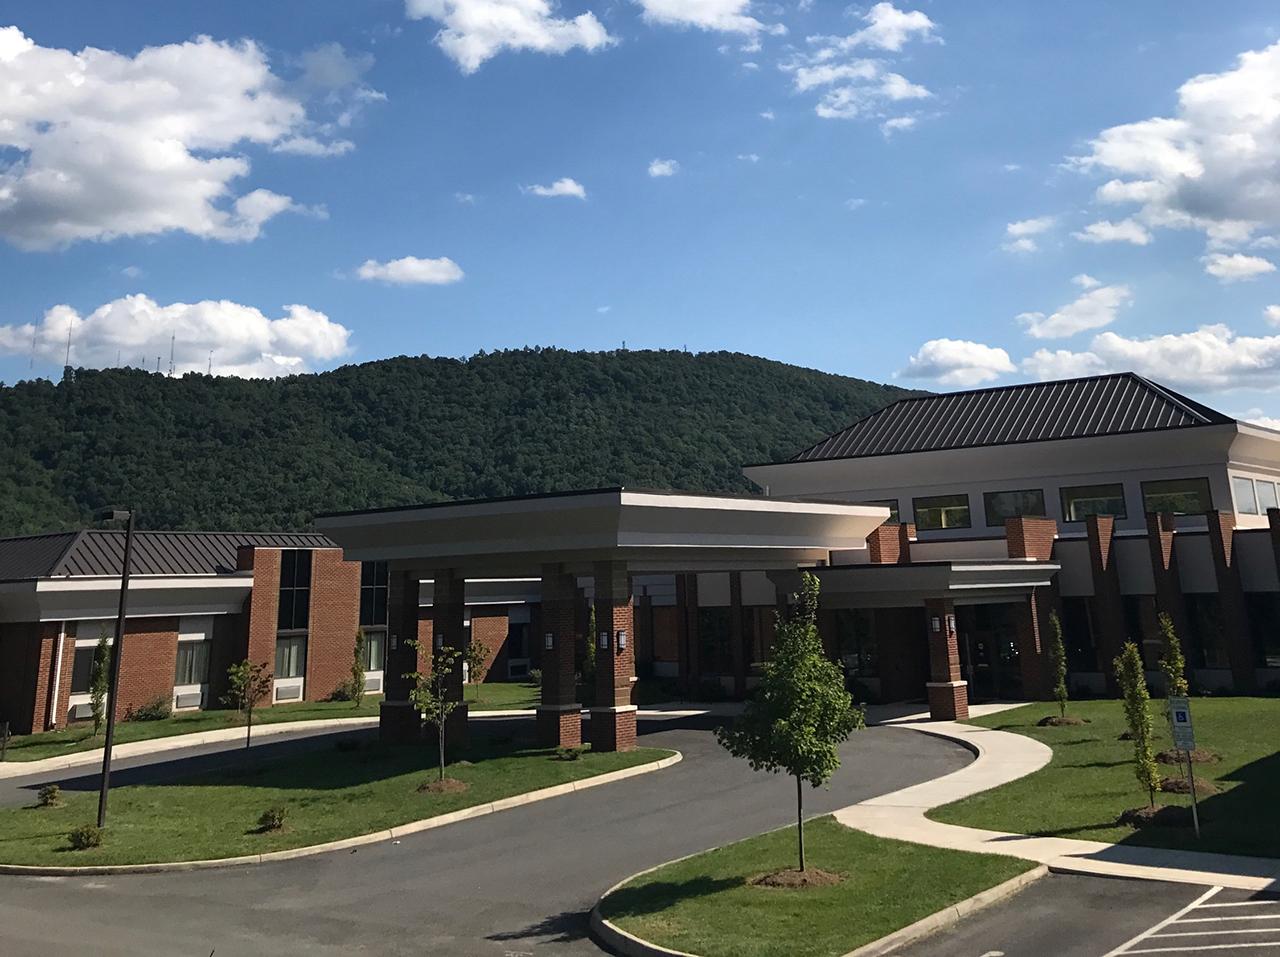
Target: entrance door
989,652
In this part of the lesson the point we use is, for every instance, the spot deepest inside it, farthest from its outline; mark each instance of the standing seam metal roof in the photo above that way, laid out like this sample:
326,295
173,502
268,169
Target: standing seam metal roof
1067,409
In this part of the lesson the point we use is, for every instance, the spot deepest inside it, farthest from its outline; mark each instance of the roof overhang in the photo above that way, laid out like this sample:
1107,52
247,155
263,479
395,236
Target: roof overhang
150,596
965,582
650,531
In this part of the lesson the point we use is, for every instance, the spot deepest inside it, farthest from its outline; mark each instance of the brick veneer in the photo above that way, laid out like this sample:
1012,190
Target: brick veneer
948,693
490,631
1028,537
613,719
27,651
1235,617
147,663
560,716
891,544
1162,539
335,616
1106,605
448,616
262,607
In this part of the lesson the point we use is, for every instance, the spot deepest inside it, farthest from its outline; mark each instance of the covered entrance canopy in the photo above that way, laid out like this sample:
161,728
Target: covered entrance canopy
609,534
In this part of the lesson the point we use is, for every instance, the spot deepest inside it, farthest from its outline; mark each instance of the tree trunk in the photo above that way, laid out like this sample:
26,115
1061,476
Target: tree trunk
440,731
800,818
248,734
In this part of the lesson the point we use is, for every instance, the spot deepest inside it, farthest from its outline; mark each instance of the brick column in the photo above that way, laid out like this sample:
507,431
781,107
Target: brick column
1033,538
1026,537
613,719
559,715
1164,570
737,648
448,622
397,721
1235,617
948,692
263,607
1108,610
884,545
686,632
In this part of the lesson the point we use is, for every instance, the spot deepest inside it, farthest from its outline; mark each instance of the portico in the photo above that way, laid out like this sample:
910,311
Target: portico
604,535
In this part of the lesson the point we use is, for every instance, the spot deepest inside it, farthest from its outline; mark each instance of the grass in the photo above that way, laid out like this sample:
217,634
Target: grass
1090,780
80,737
705,905
327,794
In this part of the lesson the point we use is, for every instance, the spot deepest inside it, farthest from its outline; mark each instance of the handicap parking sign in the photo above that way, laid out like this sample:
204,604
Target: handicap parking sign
1184,738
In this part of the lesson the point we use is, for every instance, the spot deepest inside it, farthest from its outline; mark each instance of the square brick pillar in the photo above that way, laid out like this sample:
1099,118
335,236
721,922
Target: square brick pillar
1108,607
449,629
1235,616
613,719
559,715
948,692
736,637
1162,541
686,632
398,723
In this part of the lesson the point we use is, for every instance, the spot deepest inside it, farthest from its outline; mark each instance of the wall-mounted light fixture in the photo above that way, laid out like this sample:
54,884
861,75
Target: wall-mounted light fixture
622,640
604,641
550,640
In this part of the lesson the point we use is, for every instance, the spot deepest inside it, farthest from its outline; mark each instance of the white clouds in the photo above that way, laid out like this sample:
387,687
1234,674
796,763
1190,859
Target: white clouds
1256,416
768,115
728,16
958,362
855,204
1272,314
565,186
1105,231
1020,235
1236,267
661,167
109,145
243,341
1212,165
1094,308
749,157
411,270
855,86
474,31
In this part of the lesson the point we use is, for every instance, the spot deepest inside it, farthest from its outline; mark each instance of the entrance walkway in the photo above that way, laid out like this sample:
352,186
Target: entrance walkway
1002,757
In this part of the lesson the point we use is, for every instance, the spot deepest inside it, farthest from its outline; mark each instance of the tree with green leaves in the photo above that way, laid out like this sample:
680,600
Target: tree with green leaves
801,711
430,692
589,660
248,682
100,680
1133,687
1058,660
477,657
1172,662
357,668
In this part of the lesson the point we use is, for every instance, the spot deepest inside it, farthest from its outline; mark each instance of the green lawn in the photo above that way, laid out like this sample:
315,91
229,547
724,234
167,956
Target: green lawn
1090,780
705,905
329,794
80,737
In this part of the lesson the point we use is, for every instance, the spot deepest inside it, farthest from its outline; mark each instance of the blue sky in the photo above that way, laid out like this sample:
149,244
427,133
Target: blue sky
949,194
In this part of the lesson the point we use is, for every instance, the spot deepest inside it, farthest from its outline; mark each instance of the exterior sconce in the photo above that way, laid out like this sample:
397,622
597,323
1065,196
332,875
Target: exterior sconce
439,642
951,623
622,640
937,624
550,640
604,641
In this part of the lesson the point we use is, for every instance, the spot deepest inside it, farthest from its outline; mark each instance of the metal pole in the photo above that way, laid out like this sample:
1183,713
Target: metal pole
1195,804
116,654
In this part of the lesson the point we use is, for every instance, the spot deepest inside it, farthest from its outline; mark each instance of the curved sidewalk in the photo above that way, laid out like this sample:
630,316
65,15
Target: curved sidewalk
1002,757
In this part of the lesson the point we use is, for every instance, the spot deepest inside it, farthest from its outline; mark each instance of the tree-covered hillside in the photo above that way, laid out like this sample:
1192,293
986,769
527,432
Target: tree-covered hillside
224,453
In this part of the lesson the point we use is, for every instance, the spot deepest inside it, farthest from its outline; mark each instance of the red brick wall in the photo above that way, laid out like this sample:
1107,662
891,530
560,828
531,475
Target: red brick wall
335,615
20,669
146,670
263,605
1027,537
666,633
884,545
490,630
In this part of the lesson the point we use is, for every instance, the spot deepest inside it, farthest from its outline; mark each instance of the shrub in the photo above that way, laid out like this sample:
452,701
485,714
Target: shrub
535,677
157,709
50,795
343,692
84,837
570,753
272,818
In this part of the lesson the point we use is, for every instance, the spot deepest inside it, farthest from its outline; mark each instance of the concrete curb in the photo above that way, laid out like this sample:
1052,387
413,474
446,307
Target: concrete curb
948,916
402,830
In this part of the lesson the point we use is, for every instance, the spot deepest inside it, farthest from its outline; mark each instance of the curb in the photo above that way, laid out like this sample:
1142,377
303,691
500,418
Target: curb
949,916
402,830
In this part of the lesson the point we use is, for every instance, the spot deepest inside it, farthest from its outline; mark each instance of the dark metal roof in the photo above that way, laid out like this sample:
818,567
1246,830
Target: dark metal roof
1067,409
101,552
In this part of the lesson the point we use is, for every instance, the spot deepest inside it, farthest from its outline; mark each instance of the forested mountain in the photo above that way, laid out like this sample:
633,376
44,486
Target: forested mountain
255,454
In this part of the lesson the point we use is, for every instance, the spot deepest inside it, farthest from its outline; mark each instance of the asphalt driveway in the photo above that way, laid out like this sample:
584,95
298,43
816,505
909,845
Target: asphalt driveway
516,883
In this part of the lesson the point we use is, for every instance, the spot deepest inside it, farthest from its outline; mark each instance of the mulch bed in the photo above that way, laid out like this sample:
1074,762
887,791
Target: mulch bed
1162,815
1198,756
812,877
1057,721
447,786
1179,785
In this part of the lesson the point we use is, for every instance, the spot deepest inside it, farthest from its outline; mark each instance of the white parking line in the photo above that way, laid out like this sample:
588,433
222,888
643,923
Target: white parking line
1188,950
1224,932
1124,948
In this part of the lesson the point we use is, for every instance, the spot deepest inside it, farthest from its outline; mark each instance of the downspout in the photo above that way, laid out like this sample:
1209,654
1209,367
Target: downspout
51,714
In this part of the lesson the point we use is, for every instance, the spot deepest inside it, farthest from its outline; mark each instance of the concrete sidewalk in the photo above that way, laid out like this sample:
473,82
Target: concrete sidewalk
1002,757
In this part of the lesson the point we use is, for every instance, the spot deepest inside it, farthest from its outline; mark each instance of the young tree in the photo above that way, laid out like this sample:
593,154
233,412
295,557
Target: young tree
1058,658
1133,686
1172,662
248,683
801,711
589,662
430,692
357,668
477,656
100,680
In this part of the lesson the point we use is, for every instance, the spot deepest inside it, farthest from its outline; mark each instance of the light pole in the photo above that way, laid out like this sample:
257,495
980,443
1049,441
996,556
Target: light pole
117,652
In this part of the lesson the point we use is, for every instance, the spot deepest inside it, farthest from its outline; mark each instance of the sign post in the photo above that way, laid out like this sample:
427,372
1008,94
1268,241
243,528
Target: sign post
1184,739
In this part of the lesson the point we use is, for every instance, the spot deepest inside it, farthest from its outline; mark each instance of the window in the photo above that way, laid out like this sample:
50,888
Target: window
373,593
892,505
1002,505
295,590
941,511
713,641
193,663
517,640
1206,645
856,641
1081,501
1180,496
375,650
1077,635
1246,500
1266,496
291,656
82,670
1264,624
